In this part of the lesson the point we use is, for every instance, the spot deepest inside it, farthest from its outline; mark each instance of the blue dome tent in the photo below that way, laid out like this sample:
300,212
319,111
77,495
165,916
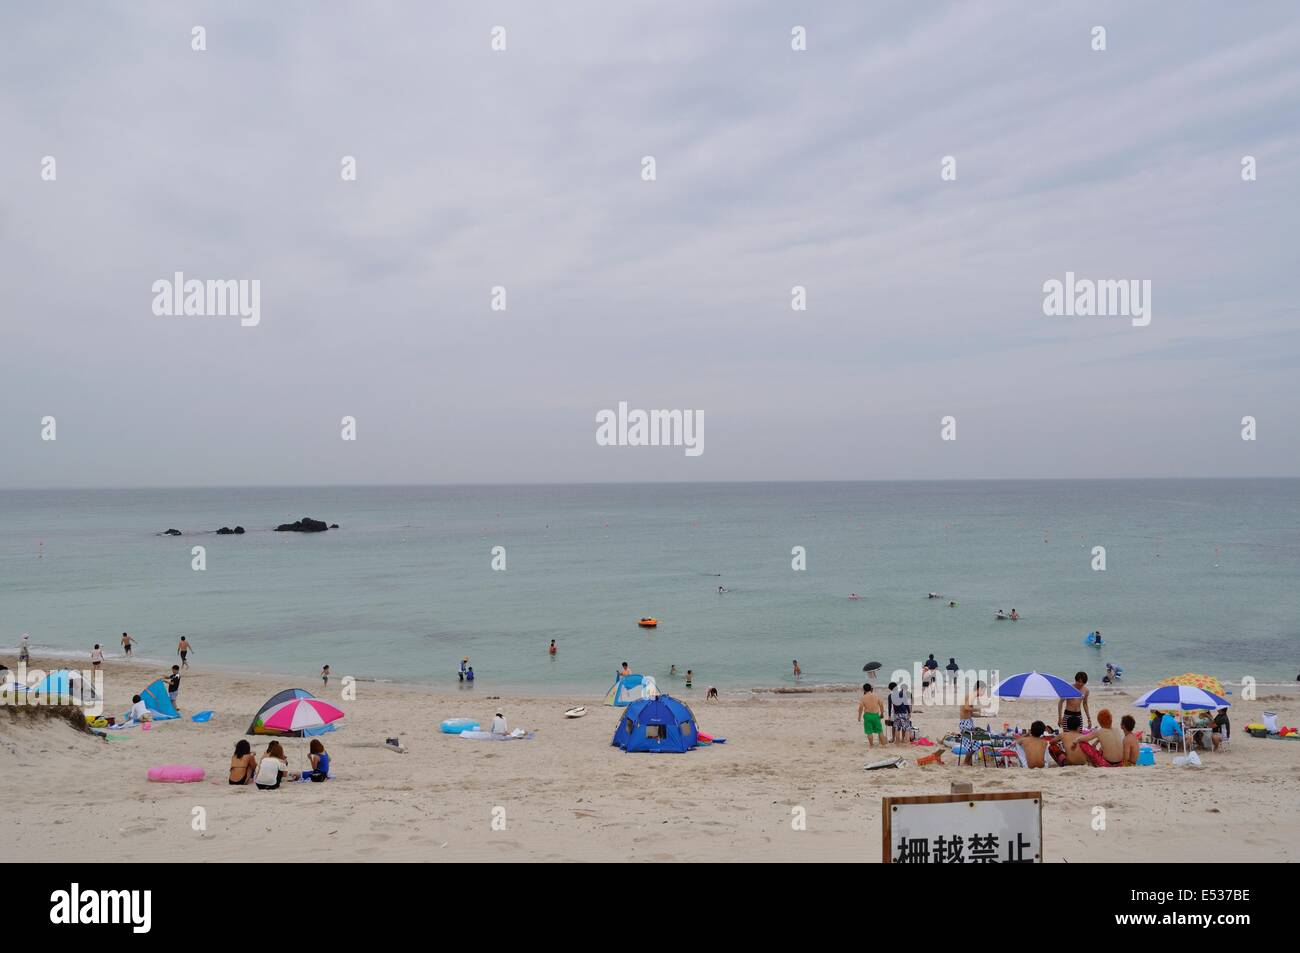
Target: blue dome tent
630,688
660,724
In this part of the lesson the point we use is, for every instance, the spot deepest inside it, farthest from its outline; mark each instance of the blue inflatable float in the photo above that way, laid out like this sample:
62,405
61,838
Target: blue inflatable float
454,726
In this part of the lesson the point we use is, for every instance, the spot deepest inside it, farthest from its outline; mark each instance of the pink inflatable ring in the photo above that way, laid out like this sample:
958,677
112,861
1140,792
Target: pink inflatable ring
176,773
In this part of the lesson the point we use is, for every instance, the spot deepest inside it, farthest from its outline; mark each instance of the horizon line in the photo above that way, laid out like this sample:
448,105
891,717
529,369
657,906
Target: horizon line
601,483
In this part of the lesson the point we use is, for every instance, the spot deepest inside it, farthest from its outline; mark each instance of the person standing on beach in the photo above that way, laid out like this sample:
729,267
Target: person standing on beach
869,711
1068,715
184,648
174,683
96,656
25,649
127,642
325,676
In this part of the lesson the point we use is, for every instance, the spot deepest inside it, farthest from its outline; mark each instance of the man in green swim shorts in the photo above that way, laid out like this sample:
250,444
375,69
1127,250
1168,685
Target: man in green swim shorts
871,710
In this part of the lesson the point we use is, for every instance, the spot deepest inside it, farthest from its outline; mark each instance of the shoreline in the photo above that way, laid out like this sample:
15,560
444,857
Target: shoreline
79,661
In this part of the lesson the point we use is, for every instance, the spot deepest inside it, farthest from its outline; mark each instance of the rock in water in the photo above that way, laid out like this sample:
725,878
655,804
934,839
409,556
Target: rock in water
304,525
239,531
171,532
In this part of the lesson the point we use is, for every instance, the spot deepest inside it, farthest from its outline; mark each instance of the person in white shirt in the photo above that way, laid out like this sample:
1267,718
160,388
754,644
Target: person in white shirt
273,768
96,656
138,709
499,725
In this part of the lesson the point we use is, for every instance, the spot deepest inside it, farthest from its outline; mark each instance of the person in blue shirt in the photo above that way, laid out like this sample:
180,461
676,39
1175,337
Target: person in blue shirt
469,674
320,763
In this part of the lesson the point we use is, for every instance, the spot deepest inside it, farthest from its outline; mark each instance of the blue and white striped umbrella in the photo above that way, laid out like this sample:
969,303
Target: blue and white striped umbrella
1037,685
1180,698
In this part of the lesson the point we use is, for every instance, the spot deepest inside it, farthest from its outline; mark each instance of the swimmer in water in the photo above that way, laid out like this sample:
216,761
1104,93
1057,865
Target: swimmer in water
952,605
853,595
722,588
1015,616
934,595
552,649
797,670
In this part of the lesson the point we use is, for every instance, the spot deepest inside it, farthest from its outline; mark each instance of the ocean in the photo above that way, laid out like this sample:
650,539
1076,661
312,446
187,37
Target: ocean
1201,575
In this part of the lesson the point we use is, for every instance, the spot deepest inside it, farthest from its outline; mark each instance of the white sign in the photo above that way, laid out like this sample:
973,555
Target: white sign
964,829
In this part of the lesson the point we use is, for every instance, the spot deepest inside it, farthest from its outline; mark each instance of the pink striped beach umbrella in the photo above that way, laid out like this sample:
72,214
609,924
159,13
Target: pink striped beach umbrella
300,713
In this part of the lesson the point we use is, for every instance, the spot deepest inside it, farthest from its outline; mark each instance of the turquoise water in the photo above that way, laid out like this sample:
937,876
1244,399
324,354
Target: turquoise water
1201,576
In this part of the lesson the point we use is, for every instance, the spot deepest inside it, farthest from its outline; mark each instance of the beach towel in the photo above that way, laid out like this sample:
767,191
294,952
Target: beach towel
202,716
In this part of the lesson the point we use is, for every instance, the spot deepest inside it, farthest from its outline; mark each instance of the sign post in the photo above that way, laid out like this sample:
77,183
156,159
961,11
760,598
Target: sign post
963,828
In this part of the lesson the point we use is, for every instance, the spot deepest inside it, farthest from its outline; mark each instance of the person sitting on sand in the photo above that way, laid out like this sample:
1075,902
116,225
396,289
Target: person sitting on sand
320,763
966,721
1035,745
499,726
1132,748
1070,740
273,768
243,763
1221,728
1068,715
869,710
139,711
1107,739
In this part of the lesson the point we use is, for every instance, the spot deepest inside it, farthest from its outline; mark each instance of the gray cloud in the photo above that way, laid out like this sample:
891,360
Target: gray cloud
522,169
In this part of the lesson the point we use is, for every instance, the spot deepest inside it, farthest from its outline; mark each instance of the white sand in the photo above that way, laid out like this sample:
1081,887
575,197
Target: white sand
568,795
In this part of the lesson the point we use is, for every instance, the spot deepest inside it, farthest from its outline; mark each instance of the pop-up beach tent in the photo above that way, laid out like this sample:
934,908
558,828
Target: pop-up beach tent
158,702
630,688
661,724
279,698
63,684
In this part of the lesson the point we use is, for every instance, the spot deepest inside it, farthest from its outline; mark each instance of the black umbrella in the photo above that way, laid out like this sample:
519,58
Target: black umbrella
871,666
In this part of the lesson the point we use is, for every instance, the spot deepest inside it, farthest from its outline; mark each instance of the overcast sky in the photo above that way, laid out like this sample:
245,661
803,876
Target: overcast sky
523,169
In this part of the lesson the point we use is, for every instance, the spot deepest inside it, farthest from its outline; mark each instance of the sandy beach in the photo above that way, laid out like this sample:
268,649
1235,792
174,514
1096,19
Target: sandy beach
568,795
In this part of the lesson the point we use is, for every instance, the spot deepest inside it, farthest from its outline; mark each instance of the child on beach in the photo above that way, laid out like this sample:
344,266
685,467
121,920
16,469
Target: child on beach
325,676
96,656
869,710
174,683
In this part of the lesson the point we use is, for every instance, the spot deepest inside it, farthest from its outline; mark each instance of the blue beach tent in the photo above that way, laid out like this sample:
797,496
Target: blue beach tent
630,688
158,702
64,685
660,724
